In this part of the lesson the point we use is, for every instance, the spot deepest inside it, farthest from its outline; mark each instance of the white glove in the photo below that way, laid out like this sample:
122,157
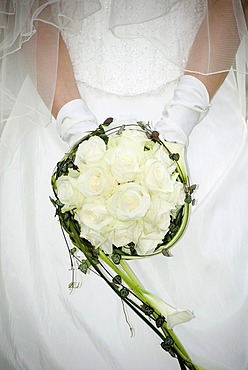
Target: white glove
75,121
189,105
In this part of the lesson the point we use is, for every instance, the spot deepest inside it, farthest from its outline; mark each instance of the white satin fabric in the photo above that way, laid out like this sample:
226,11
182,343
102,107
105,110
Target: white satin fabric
42,325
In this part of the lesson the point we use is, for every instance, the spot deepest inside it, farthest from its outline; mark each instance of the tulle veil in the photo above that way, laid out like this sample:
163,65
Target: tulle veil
29,34
29,49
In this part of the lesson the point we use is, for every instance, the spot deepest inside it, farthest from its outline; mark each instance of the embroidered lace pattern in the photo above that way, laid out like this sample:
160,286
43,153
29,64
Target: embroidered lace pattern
128,66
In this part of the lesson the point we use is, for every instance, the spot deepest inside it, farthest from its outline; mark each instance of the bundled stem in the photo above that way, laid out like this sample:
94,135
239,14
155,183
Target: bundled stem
129,286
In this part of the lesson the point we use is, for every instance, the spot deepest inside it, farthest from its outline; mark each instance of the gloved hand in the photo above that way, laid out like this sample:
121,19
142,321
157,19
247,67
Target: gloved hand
74,121
189,105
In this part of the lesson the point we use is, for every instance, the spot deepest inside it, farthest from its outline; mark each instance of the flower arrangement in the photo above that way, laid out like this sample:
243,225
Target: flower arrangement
122,194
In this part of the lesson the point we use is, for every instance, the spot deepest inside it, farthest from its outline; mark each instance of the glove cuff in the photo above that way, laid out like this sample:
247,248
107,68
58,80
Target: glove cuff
188,106
74,117
190,93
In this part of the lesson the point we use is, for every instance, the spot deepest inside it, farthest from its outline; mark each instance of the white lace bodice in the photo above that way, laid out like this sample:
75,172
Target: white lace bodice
124,66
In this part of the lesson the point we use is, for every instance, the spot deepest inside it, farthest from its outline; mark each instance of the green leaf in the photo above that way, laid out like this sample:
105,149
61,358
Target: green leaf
133,250
117,279
73,285
188,198
124,292
121,129
192,188
73,250
53,201
116,258
167,343
160,321
66,216
148,310
166,253
84,265
174,156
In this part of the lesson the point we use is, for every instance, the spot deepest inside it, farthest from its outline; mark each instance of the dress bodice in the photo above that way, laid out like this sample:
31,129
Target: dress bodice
132,61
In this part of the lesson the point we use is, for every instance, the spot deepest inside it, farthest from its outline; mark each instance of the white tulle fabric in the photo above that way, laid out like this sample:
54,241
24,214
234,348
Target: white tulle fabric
125,74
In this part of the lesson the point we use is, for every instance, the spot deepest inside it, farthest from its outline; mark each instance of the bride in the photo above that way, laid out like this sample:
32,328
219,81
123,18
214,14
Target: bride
182,66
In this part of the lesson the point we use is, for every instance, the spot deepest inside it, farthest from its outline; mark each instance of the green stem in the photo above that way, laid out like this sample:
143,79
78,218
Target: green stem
134,285
181,229
179,347
129,272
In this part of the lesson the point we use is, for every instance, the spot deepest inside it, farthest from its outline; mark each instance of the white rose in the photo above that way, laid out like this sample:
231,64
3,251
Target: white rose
96,180
149,241
96,239
67,192
129,202
161,154
177,196
132,137
159,212
64,189
124,161
94,214
156,176
90,151
122,233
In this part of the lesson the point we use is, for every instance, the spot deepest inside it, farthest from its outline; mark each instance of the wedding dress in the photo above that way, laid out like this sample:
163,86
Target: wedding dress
45,326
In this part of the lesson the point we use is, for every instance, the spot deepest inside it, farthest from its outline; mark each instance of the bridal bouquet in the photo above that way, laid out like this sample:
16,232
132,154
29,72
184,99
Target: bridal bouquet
122,194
